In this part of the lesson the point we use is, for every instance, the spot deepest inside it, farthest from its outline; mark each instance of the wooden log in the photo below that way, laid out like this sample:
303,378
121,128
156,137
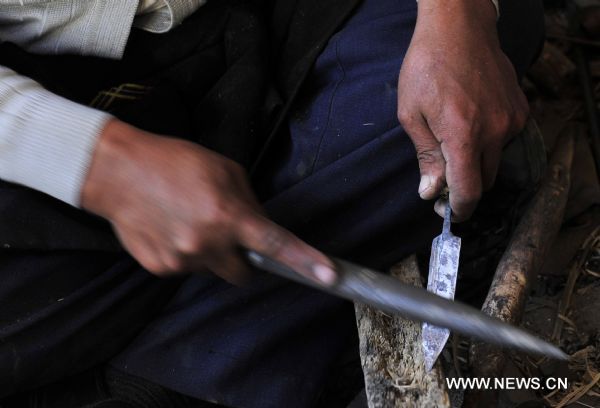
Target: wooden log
551,69
392,358
523,260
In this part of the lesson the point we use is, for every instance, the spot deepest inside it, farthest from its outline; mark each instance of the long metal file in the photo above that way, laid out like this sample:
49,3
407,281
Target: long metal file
390,295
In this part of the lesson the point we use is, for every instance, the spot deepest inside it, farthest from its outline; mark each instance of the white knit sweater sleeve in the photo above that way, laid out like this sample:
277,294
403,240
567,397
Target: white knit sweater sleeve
46,141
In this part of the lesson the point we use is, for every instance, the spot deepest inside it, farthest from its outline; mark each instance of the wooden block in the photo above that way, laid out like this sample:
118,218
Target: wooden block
392,358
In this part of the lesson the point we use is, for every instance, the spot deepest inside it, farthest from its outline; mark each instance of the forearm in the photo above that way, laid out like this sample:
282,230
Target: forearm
454,12
478,3
46,142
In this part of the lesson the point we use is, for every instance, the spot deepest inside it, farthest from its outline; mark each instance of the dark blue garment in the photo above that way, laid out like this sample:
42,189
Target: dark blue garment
345,179
347,183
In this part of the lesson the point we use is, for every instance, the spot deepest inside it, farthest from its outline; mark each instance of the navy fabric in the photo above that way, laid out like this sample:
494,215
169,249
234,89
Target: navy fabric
344,178
347,183
63,312
270,344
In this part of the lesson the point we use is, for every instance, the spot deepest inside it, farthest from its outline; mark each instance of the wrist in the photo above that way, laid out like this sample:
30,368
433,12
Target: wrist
465,21
102,183
485,12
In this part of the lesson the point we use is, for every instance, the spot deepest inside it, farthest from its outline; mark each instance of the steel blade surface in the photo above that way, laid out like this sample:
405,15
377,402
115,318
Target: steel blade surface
386,293
443,273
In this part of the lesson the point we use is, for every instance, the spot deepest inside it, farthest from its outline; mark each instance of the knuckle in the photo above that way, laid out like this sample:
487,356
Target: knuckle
192,243
503,123
174,263
460,127
224,176
462,114
154,267
219,212
406,118
234,170
427,155
273,241
227,215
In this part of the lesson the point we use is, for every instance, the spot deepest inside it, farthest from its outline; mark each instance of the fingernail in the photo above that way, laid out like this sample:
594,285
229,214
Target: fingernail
425,184
325,274
440,208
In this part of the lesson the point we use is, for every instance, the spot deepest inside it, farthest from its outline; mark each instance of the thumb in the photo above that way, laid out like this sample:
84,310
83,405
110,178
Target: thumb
267,238
429,153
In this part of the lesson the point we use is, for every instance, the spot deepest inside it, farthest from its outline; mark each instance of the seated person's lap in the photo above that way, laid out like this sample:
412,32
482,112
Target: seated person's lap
345,180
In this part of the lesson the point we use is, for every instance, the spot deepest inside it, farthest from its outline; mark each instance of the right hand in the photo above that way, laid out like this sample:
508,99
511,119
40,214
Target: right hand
459,100
178,207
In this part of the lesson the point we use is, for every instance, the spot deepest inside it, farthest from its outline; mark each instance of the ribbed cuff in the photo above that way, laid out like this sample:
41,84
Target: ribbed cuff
49,145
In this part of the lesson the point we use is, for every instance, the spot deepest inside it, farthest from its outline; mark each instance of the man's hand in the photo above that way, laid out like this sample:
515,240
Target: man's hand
459,100
178,207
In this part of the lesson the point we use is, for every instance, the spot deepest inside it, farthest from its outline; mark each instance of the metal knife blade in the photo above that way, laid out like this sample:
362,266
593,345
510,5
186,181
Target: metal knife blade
390,295
443,271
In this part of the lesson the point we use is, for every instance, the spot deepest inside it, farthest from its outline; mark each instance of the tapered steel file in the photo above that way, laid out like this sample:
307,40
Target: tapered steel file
386,293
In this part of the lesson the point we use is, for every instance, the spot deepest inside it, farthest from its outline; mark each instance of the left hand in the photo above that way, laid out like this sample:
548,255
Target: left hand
178,207
459,100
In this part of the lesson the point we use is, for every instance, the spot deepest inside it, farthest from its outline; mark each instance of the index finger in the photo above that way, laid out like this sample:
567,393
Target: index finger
262,235
463,176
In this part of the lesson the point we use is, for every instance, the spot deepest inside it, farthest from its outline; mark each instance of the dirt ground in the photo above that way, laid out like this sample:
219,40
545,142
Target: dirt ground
564,306
565,309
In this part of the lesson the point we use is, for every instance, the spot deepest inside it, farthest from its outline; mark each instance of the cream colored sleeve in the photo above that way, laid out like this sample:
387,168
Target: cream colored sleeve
149,6
46,141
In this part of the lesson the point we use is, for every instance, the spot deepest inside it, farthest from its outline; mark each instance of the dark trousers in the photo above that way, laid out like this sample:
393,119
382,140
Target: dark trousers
344,178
